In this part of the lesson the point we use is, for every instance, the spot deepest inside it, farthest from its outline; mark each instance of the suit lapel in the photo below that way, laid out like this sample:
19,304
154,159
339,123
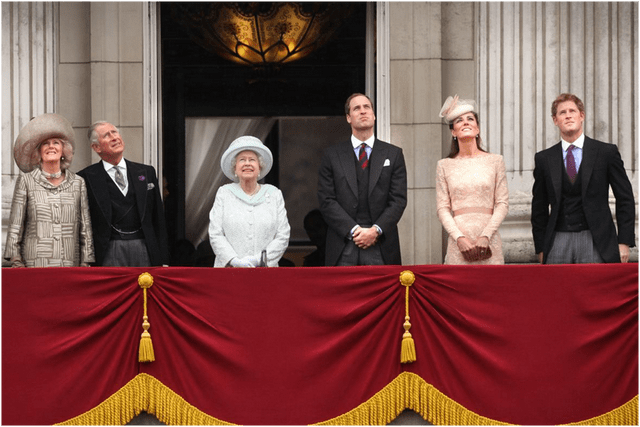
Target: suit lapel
347,160
589,156
138,179
376,163
556,168
98,180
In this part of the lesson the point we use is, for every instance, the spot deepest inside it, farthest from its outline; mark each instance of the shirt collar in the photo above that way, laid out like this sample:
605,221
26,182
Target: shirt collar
356,142
579,143
122,165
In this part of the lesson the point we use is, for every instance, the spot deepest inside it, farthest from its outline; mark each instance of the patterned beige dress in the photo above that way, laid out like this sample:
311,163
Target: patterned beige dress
472,199
49,226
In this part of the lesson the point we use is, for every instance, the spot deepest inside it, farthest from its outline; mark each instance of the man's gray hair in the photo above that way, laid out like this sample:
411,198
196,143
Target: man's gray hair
92,135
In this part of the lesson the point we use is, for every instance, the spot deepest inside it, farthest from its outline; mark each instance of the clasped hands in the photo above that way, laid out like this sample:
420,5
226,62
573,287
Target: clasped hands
473,250
365,237
245,262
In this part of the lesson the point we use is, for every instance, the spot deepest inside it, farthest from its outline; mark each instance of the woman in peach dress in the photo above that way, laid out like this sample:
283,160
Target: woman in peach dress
472,197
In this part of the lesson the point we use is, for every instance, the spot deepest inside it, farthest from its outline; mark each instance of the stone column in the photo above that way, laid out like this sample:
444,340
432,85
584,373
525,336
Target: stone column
431,57
529,53
29,69
116,61
109,71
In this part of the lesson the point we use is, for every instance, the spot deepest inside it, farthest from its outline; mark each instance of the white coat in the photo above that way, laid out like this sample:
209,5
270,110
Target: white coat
241,225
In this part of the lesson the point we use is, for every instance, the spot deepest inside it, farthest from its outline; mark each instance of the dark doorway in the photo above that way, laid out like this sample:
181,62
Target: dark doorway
199,83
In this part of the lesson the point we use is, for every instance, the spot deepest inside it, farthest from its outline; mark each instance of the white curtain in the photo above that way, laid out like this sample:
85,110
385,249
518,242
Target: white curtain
206,139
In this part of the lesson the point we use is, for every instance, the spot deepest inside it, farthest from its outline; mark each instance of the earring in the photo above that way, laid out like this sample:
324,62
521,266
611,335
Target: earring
477,136
62,158
455,138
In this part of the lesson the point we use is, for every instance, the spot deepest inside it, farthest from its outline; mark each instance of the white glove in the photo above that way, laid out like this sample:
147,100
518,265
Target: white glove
240,263
253,260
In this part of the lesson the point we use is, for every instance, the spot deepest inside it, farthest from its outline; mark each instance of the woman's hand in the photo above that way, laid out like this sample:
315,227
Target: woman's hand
473,251
246,262
240,263
482,246
467,248
17,263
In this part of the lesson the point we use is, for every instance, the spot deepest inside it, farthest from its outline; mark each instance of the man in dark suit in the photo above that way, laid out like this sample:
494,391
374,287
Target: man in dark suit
127,216
362,190
573,177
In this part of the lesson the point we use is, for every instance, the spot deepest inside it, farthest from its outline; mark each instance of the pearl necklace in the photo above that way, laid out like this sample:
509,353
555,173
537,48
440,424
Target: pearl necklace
254,191
51,175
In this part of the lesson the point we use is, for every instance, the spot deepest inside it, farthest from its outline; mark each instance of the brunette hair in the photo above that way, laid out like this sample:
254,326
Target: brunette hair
455,148
347,104
564,97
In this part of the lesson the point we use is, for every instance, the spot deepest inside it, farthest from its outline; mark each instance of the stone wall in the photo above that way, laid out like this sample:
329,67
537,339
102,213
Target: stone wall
96,61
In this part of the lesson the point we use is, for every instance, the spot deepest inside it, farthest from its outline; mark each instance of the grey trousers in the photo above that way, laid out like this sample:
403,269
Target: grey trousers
127,253
573,248
353,255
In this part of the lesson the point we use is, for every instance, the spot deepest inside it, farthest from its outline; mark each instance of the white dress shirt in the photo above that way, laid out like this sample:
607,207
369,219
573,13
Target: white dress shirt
368,145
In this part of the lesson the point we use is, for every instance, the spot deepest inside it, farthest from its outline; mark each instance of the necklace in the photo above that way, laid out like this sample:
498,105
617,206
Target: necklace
254,191
51,175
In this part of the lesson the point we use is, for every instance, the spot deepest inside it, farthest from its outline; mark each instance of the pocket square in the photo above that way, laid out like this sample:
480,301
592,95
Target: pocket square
386,163
150,186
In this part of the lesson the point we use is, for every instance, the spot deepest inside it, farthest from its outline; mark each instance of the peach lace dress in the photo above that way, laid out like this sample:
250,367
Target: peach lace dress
472,199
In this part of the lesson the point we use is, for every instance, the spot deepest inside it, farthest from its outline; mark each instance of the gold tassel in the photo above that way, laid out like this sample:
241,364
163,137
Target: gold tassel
408,349
145,353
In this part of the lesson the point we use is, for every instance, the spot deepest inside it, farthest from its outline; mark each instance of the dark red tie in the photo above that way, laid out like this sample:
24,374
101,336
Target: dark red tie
571,164
362,157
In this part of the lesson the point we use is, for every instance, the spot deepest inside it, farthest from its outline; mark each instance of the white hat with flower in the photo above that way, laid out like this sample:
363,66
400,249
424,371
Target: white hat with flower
454,107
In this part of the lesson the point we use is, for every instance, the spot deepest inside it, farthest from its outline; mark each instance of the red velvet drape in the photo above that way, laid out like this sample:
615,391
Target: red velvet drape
519,344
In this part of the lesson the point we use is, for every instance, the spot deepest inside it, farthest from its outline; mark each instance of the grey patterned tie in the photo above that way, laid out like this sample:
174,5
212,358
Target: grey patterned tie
119,178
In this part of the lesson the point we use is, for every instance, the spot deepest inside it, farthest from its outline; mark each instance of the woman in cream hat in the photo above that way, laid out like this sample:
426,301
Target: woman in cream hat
472,197
49,224
248,218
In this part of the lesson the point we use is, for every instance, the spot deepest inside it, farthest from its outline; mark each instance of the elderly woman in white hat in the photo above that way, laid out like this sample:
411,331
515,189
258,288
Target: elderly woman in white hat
472,197
49,224
248,218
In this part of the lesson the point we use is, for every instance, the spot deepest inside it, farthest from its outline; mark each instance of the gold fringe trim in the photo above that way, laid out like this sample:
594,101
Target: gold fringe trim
144,393
406,391
409,391
625,415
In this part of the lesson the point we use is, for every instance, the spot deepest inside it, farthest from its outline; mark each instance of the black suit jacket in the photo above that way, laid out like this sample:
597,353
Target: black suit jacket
601,167
338,196
143,179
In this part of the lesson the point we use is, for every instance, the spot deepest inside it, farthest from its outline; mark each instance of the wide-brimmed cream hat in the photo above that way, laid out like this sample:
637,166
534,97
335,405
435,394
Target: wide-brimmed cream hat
454,107
40,129
241,144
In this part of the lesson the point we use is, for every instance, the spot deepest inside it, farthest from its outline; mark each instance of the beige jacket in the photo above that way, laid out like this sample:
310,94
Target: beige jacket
49,226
